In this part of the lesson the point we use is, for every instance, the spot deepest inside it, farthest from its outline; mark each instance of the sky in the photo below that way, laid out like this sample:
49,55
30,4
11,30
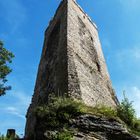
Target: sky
22,26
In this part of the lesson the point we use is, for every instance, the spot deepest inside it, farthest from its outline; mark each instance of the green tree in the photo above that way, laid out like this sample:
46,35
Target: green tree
5,58
126,112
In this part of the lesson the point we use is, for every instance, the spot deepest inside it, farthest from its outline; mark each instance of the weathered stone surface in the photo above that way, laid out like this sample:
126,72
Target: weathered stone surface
90,127
72,62
86,62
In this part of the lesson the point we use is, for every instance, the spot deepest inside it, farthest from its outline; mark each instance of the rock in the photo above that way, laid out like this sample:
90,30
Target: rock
88,127
91,127
50,134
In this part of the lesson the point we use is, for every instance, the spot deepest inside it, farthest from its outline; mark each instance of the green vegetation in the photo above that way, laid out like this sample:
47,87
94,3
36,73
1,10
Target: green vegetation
5,59
126,113
63,135
2,137
101,111
57,114
64,109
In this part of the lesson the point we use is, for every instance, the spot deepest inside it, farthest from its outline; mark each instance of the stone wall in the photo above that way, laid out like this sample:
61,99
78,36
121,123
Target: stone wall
52,71
72,62
86,63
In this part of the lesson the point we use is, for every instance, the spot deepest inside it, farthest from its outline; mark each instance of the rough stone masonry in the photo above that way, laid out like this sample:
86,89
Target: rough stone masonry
72,62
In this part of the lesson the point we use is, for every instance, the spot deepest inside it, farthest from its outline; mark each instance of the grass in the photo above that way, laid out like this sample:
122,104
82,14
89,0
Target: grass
59,111
127,114
2,137
66,108
135,128
57,114
101,111
64,135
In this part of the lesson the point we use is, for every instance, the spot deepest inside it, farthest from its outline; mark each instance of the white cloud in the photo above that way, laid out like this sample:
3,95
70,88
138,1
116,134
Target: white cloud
106,42
129,54
20,102
13,108
124,59
21,97
14,13
14,111
129,5
121,54
136,53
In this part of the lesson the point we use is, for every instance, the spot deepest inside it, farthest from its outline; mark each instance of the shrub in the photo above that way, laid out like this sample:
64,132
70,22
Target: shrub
2,137
64,135
126,112
101,111
105,111
58,112
136,124
135,128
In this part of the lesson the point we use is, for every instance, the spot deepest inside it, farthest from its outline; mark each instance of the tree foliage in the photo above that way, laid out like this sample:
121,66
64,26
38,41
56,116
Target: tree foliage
126,112
2,137
5,59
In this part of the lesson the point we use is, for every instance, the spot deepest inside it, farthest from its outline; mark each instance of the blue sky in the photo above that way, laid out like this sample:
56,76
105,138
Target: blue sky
22,26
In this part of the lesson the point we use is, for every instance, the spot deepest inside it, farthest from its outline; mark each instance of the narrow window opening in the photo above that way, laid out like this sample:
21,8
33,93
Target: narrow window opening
98,67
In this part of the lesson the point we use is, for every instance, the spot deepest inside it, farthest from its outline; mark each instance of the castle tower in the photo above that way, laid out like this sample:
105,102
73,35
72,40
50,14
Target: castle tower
72,62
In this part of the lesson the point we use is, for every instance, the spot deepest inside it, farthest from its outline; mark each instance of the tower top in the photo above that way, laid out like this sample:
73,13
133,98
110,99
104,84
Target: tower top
79,7
85,14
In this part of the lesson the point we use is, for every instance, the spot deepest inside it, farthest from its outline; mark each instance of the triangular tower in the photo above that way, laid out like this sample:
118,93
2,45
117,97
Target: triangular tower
72,62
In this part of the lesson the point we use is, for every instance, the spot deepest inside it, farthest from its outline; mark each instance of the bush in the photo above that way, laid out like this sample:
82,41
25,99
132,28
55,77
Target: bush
136,124
58,112
64,135
102,111
2,137
126,112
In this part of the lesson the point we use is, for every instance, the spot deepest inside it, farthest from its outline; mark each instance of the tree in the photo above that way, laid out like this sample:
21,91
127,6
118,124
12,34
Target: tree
5,59
126,111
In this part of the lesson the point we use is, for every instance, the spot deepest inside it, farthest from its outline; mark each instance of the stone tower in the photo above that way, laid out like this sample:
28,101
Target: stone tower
72,62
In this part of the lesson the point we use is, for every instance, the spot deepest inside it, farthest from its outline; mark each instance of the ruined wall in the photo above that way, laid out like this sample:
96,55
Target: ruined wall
88,66
72,62
52,71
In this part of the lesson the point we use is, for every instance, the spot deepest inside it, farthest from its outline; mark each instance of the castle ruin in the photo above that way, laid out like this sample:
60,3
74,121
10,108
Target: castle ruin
72,62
